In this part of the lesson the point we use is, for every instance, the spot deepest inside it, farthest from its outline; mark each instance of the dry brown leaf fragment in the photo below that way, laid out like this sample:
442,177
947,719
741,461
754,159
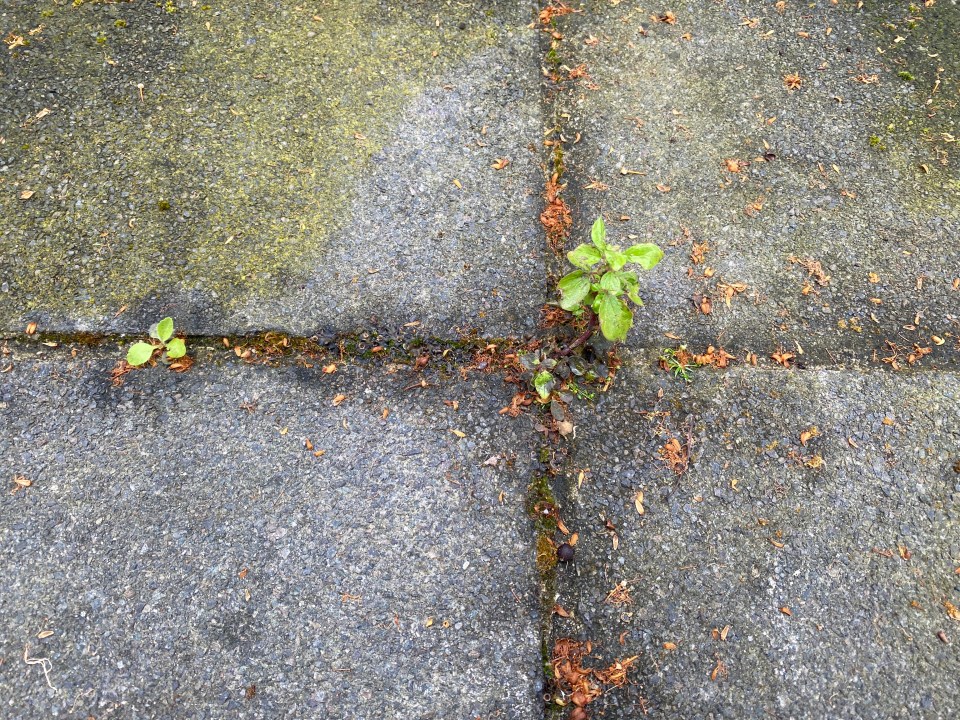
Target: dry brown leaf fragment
665,17
553,9
813,267
754,208
719,670
663,188
181,365
952,610
808,434
619,596
786,611
814,463
31,328
783,357
559,610
330,369
338,398
792,81
675,455
500,163
703,303
459,434
730,290
12,40
698,252
718,358
517,404
27,194
735,166
669,646
638,502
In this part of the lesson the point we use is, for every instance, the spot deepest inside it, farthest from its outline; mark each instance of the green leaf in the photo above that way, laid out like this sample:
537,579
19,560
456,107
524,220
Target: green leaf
543,383
615,259
611,283
163,330
615,317
646,255
632,284
598,233
573,289
176,349
584,256
139,353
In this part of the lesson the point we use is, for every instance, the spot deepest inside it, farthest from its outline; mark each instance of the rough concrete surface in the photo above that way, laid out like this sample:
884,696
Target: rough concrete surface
192,558
279,541
827,566
270,166
856,169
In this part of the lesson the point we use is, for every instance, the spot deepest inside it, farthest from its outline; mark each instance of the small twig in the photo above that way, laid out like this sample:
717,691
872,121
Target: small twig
584,336
44,664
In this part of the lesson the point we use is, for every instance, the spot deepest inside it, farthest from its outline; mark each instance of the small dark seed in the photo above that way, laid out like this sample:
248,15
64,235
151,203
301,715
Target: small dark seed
565,552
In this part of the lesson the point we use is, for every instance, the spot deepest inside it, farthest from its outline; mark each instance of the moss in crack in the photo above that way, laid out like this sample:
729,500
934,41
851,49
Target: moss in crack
541,506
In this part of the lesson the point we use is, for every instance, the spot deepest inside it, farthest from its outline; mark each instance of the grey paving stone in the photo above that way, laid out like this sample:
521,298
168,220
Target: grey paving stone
182,549
856,534
856,169
270,166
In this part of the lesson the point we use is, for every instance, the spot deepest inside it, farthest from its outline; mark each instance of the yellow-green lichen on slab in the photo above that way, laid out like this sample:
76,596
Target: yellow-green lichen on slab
214,149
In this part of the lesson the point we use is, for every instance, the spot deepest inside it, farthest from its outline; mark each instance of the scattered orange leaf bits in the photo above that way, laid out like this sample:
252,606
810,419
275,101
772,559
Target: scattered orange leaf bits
584,685
555,9
555,217
714,357
783,357
675,455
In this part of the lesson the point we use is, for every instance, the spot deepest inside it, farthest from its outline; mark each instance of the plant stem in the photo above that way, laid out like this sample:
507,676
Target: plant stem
584,336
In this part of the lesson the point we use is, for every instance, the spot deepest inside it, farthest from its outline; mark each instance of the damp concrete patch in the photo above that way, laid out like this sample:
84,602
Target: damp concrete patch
798,166
247,541
803,565
285,167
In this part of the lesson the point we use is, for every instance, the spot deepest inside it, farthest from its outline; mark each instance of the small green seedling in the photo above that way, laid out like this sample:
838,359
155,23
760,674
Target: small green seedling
679,362
599,286
162,332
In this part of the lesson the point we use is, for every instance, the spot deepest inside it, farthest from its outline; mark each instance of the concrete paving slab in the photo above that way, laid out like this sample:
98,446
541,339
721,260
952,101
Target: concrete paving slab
775,136
803,566
182,552
286,166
